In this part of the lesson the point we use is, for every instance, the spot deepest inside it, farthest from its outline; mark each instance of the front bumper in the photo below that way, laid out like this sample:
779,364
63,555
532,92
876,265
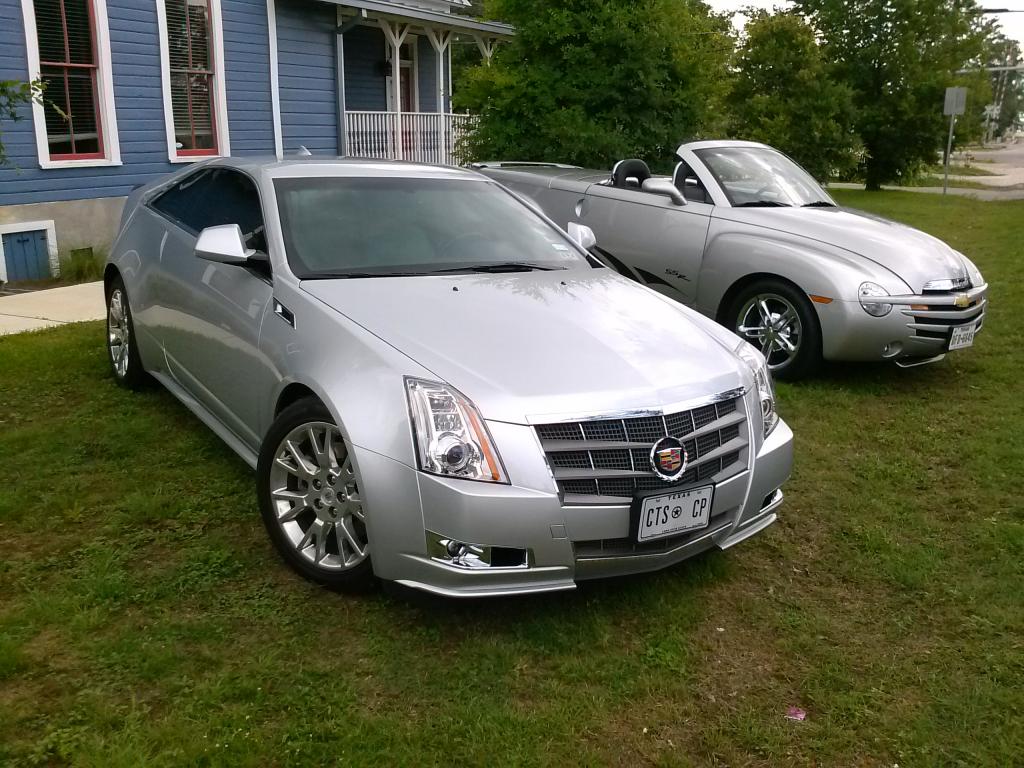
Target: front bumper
918,328
405,507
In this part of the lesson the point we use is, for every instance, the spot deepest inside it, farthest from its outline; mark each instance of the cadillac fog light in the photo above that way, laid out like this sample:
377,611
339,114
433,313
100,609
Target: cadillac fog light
462,554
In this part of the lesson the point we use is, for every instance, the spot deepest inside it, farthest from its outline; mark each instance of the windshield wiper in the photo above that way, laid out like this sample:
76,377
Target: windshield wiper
346,275
504,266
819,204
764,204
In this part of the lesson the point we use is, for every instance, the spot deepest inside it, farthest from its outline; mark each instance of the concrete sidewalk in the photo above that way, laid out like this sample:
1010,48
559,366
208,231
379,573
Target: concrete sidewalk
56,306
990,194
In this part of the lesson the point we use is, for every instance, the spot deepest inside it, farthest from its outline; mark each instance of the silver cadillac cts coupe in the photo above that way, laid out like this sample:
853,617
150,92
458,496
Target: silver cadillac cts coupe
434,383
746,236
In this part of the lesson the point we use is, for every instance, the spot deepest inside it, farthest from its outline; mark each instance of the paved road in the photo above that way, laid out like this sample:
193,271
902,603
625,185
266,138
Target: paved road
978,194
33,310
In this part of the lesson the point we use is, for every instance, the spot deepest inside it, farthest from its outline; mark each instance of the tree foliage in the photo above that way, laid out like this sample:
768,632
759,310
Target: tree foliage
783,95
593,81
14,94
897,56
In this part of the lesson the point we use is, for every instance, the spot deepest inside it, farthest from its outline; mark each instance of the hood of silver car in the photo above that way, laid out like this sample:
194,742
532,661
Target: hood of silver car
527,345
909,253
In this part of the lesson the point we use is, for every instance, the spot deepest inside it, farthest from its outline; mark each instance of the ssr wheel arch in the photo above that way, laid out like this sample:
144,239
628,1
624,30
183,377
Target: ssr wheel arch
729,297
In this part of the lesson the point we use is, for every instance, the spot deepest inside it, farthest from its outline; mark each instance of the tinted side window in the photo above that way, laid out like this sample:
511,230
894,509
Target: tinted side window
180,200
216,196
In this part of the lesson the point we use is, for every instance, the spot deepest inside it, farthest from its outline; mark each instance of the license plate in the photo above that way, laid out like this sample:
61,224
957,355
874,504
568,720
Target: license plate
963,336
668,514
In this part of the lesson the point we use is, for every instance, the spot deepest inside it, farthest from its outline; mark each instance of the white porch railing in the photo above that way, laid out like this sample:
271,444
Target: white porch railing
421,137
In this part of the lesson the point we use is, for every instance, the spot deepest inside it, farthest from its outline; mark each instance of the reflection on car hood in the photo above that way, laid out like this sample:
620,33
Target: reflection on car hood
542,343
909,253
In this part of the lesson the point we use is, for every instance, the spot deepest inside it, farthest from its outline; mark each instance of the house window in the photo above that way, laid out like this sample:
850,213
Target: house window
66,34
193,86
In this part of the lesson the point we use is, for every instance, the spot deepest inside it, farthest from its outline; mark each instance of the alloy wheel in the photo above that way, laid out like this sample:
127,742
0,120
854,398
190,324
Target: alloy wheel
316,499
772,324
118,332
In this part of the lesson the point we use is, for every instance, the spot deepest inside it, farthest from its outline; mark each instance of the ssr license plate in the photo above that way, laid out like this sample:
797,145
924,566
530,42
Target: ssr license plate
669,514
963,336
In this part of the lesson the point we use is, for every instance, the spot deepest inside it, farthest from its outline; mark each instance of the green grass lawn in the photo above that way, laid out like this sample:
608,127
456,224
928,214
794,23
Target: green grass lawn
144,619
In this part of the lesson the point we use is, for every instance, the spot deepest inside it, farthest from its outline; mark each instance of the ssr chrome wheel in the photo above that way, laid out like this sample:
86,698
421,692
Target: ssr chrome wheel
778,319
122,349
310,497
771,324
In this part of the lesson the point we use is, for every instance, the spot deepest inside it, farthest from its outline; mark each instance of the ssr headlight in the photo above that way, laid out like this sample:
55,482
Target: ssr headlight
763,383
867,293
973,272
451,438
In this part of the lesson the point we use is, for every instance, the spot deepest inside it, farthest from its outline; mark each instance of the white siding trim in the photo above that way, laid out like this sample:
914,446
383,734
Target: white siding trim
31,226
105,92
275,89
220,97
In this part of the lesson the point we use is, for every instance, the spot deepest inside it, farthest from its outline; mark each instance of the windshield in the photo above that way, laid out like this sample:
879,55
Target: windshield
757,176
380,227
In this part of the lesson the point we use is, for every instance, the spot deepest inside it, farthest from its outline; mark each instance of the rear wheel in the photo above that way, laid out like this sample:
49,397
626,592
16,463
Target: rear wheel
122,349
779,320
310,498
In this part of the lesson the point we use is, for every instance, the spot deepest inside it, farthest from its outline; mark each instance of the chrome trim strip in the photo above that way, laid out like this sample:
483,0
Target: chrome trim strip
933,299
657,410
913,362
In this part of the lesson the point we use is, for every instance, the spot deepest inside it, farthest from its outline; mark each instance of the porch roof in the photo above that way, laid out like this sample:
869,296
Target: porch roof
394,10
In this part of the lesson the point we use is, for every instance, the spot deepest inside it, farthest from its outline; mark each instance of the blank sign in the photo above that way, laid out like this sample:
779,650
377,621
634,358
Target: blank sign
956,101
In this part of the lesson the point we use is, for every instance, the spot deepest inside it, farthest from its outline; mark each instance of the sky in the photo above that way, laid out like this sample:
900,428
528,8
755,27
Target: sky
1012,23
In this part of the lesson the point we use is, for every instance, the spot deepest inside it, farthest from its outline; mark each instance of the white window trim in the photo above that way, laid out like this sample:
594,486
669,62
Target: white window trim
220,100
413,65
105,95
31,226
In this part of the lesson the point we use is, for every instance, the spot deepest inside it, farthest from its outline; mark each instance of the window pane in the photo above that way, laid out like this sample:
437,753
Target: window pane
49,30
177,34
82,98
180,200
188,32
199,28
79,31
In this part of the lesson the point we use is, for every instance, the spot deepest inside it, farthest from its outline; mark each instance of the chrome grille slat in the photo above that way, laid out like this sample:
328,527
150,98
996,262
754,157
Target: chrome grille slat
590,468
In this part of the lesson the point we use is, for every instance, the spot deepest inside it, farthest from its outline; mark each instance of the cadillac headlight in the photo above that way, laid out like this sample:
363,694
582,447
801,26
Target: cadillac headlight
451,438
869,291
763,383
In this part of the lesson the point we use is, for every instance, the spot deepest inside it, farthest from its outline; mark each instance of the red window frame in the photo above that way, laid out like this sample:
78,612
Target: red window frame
66,66
210,74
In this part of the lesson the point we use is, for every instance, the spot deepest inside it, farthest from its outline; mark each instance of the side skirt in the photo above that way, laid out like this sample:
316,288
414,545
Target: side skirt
233,441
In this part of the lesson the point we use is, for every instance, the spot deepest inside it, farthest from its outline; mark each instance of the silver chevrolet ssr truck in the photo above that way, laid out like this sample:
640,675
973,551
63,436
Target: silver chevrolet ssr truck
747,237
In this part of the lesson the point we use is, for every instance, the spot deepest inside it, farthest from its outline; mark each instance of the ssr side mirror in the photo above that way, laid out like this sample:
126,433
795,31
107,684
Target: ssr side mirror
582,234
656,186
223,244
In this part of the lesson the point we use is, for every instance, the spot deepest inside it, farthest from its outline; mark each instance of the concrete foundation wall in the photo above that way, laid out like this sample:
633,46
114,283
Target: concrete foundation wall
78,223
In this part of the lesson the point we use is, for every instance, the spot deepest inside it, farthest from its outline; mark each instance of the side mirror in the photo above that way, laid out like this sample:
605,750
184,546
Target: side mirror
224,245
664,187
582,234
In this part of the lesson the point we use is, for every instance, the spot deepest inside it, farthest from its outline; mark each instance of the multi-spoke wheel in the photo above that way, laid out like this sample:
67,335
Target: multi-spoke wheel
122,350
778,319
310,497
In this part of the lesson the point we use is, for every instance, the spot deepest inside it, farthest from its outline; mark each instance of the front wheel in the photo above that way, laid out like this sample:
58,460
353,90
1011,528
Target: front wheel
310,498
778,319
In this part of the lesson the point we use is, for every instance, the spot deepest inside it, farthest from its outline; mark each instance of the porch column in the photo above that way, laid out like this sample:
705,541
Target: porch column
486,46
396,35
440,40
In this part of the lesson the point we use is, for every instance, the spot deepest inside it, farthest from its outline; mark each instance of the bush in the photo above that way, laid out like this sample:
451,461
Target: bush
82,265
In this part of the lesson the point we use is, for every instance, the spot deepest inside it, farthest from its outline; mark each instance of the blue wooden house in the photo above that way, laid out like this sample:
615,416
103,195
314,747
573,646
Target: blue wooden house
135,88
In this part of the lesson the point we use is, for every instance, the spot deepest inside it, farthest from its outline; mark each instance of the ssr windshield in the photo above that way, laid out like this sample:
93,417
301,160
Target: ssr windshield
761,177
381,227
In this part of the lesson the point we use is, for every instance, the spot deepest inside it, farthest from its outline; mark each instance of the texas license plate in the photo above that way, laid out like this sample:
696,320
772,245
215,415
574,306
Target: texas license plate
963,336
669,514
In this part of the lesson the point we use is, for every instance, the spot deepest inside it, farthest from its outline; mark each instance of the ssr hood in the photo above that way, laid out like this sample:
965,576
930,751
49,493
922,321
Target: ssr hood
526,345
915,257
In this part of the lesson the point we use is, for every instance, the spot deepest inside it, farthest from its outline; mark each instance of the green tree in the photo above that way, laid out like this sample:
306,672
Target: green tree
898,56
14,94
593,81
783,95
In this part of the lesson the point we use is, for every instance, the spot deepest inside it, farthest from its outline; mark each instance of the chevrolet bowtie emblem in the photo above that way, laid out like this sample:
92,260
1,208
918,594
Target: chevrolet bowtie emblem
961,300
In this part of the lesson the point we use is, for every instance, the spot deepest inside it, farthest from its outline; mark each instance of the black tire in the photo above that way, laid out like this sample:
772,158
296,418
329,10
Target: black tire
807,358
331,571
124,359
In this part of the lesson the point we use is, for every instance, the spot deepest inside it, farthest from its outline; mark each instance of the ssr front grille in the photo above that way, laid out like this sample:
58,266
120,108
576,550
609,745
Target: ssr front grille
937,314
607,460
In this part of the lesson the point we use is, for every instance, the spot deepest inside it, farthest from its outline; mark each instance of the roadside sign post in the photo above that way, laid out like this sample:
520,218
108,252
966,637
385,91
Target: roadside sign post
956,102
